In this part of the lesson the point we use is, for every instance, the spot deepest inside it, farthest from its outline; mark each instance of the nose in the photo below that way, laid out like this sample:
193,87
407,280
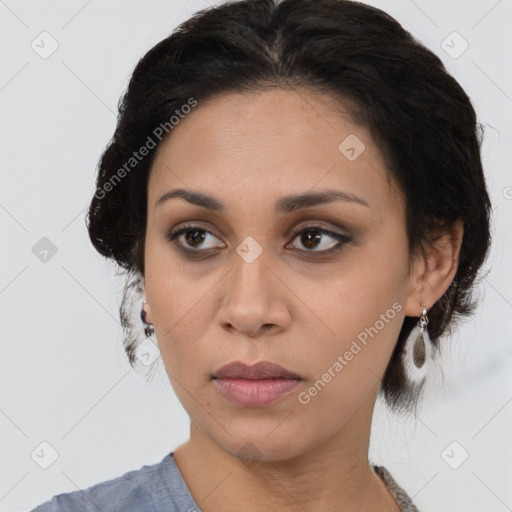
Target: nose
254,301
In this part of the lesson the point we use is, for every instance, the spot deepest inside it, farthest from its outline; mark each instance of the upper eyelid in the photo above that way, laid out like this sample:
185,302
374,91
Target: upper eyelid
291,232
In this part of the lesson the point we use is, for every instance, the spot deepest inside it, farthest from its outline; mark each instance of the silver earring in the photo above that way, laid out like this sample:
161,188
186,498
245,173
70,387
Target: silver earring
417,354
149,330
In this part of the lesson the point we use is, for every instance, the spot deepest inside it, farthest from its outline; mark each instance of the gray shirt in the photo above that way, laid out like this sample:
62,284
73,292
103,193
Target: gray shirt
161,488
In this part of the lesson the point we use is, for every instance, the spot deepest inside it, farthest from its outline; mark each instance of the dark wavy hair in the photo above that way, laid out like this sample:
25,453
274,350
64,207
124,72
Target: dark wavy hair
419,116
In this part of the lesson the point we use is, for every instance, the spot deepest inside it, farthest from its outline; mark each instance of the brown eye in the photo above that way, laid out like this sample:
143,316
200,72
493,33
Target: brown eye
194,238
197,241
316,239
310,239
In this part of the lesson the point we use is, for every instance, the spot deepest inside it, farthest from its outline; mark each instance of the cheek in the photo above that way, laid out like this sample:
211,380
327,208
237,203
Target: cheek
354,296
360,311
179,310
180,324
174,288
348,369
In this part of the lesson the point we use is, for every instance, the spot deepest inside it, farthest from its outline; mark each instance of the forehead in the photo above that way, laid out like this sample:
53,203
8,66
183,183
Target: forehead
272,142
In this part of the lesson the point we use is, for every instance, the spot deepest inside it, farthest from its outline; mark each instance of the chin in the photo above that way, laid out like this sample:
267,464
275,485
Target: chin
265,444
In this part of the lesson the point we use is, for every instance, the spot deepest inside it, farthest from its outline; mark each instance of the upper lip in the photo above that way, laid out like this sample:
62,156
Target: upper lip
260,370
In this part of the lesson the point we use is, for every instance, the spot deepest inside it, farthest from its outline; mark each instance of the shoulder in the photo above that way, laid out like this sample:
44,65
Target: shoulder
401,497
148,489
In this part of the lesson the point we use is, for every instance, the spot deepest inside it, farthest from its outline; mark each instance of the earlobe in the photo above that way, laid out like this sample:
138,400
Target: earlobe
145,316
436,271
145,311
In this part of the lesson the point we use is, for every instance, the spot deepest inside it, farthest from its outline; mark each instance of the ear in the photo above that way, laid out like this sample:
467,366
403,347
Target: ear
146,308
433,273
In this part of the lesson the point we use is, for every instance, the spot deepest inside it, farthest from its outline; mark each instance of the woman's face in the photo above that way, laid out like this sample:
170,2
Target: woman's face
242,285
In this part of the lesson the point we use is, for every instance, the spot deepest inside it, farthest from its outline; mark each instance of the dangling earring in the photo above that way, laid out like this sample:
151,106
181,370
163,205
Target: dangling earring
417,354
149,330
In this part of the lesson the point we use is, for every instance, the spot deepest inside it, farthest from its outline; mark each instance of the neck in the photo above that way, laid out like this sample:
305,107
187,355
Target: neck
334,476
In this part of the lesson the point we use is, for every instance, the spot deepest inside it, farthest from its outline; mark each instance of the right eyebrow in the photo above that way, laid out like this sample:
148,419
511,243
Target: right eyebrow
283,205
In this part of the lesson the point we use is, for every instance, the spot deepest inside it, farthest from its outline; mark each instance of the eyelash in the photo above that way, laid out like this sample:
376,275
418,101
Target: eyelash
173,234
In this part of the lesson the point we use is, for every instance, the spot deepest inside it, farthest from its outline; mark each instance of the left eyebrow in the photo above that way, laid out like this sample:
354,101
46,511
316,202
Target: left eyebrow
192,197
284,205
292,203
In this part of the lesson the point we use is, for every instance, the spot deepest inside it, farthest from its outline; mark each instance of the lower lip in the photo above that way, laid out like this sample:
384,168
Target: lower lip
255,393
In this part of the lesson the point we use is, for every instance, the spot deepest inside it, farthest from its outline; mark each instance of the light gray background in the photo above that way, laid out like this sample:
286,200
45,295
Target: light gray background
64,377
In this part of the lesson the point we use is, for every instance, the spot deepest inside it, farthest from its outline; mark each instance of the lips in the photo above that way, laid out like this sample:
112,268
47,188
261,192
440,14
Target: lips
258,385
258,371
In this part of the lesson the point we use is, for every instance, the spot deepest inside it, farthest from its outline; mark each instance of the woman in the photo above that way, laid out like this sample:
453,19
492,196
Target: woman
295,191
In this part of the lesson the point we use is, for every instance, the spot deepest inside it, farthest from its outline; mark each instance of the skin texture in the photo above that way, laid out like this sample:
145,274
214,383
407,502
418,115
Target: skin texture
290,305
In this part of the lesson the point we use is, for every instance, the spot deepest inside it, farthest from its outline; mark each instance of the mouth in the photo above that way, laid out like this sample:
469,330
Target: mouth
257,385
259,371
